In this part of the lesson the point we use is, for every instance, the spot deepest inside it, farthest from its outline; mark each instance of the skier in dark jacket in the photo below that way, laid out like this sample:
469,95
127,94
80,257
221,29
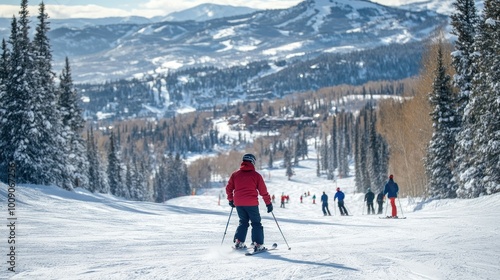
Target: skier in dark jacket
340,195
369,197
392,189
242,191
324,199
380,202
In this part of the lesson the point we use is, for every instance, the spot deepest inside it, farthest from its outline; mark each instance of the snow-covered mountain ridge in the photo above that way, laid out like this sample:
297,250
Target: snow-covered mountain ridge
312,27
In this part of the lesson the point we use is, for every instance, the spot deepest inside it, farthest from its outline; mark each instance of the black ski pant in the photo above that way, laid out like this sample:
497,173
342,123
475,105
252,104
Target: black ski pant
249,214
369,205
343,210
380,206
325,209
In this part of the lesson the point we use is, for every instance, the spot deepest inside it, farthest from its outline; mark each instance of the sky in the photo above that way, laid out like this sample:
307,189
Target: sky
80,235
146,8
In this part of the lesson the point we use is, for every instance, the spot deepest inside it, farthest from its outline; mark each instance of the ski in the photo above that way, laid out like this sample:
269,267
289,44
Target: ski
391,218
258,252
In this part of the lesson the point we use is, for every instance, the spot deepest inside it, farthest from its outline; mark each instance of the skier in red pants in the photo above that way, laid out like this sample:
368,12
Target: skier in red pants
392,189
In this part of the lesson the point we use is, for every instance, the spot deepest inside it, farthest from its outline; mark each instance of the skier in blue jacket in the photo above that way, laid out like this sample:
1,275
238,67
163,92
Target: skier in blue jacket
392,189
340,195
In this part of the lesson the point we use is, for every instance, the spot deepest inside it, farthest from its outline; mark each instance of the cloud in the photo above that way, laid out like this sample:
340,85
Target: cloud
147,9
79,11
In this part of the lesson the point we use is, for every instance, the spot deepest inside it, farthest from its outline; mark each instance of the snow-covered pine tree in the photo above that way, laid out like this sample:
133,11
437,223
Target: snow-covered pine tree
376,176
160,182
343,145
334,151
30,134
4,74
439,161
45,107
73,123
328,160
384,162
93,171
296,150
114,170
464,22
129,181
485,102
363,150
358,179
137,182
4,64
287,160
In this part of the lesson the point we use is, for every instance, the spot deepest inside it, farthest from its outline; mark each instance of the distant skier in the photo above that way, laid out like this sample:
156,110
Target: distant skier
380,202
324,200
340,196
392,189
369,197
243,189
283,198
314,199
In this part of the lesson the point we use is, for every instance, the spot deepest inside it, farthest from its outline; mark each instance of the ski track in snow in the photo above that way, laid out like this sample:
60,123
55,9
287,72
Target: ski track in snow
79,235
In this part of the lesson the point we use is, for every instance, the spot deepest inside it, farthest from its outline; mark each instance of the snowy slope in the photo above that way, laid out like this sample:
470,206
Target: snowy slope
64,235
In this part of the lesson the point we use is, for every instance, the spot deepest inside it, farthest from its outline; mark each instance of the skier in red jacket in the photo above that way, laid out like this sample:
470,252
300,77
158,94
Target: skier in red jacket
242,191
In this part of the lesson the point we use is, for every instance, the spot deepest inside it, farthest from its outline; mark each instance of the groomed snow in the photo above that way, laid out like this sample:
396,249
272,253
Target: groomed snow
79,235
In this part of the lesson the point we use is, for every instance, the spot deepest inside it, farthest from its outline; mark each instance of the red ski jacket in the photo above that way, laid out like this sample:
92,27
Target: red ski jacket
245,185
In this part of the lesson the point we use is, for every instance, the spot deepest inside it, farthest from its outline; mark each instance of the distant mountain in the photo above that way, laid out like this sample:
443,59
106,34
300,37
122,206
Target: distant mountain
444,7
206,12
74,23
306,30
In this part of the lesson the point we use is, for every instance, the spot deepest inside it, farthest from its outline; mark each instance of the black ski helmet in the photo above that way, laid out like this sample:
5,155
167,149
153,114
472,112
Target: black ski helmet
250,158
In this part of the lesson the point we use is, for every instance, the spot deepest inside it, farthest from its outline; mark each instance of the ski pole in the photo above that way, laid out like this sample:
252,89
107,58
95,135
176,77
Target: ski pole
363,210
402,214
281,231
227,225
386,206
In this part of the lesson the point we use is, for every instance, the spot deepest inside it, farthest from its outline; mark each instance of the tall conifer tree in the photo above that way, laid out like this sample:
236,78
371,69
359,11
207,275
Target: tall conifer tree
464,22
73,123
439,162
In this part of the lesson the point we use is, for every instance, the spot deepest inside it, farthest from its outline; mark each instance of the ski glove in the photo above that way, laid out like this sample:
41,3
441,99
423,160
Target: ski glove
231,203
269,208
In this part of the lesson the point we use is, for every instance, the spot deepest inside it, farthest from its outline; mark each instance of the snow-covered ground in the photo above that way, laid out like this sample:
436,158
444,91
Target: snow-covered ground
79,235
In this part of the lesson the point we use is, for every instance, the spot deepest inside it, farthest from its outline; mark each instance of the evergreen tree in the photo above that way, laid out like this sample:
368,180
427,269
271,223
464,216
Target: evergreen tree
287,160
4,74
358,175
4,65
92,158
297,151
73,123
374,152
139,189
318,166
364,151
345,148
464,22
334,148
271,160
114,170
485,106
31,130
439,162
53,146
129,182
160,183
